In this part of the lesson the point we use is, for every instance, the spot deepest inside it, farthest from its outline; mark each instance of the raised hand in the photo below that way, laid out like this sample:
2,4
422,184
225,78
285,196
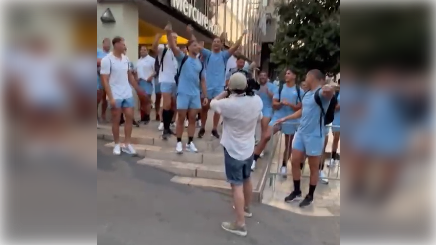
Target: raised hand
189,28
168,27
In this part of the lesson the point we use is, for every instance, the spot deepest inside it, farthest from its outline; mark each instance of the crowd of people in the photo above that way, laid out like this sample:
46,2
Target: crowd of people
191,80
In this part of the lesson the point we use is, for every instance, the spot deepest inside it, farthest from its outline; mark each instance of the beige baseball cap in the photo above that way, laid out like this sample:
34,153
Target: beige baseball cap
237,81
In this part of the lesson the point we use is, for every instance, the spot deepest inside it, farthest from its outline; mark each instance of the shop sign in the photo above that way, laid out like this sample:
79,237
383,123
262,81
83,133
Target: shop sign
193,13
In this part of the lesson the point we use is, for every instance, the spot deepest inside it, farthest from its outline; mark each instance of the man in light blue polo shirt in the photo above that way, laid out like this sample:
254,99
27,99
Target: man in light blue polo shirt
309,138
101,95
189,79
215,62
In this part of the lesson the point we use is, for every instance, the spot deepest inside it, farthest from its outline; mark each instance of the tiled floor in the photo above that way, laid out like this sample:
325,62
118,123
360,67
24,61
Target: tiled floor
327,197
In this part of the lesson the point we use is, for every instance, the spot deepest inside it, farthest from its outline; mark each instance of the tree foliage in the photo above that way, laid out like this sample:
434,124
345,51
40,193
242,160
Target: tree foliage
308,36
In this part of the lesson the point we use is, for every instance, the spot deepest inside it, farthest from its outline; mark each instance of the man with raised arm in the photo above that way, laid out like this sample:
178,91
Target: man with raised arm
215,61
167,71
190,79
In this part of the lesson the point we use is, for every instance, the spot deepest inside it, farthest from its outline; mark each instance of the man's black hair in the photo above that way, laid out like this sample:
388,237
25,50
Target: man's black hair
240,57
317,74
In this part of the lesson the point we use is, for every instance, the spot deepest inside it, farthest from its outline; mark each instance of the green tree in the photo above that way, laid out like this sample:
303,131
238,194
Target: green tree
308,36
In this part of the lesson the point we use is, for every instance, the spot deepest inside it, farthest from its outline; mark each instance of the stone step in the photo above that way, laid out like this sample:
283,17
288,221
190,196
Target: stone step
220,186
214,172
169,154
201,144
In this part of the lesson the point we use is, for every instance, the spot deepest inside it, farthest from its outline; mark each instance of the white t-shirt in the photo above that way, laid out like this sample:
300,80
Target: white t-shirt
169,69
145,67
240,116
117,69
82,69
41,80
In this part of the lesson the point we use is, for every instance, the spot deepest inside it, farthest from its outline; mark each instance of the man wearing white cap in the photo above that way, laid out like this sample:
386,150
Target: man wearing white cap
241,114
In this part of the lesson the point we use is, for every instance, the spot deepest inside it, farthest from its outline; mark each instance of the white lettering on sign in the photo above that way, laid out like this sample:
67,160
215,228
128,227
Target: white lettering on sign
193,13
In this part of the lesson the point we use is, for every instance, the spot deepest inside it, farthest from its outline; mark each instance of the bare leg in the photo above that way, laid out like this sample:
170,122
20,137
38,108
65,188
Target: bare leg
204,111
116,116
104,106
157,106
128,113
191,120
216,120
180,121
248,192
238,200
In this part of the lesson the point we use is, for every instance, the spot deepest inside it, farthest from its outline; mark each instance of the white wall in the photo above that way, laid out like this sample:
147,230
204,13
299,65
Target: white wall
126,26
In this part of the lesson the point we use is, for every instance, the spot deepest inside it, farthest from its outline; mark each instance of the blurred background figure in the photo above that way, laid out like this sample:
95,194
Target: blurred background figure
41,91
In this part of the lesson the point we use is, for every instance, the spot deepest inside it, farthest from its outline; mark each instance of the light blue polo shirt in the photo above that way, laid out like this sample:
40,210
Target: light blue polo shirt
215,68
189,80
100,55
310,118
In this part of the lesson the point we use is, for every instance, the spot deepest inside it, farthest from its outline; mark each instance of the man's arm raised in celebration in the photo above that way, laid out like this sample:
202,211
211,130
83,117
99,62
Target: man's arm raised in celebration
171,41
238,43
155,44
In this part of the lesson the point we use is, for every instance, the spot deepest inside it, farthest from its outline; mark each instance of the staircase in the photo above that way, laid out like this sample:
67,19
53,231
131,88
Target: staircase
204,169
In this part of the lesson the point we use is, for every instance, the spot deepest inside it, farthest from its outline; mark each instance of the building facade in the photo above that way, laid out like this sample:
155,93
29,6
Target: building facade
138,21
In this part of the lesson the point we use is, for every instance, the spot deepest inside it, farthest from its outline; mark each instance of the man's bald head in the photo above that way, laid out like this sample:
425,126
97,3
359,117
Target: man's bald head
317,74
106,44
314,78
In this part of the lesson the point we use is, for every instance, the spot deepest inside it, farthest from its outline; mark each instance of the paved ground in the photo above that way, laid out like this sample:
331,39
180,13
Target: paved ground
139,205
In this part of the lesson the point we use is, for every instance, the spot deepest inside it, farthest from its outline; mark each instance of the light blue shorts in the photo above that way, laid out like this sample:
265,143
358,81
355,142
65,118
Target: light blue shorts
267,112
156,86
286,127
212,93
146,86
185,102
125,103
310,145
168,88
336,128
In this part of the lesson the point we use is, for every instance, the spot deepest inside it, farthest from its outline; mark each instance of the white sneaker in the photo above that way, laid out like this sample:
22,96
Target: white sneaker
191,147
331,163
253,165
323,177
284,171
117,150
199,123
186,123
160,128
173,125
179,148
128,149
261,154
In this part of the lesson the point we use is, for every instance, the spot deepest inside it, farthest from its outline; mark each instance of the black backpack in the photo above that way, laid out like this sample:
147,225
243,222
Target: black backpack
177,76
328,115
281,84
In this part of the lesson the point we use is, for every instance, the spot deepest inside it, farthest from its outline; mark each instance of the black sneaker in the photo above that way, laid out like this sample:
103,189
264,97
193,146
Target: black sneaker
306,201
170,132
135,123
201,133
293,196
145,122
215,134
